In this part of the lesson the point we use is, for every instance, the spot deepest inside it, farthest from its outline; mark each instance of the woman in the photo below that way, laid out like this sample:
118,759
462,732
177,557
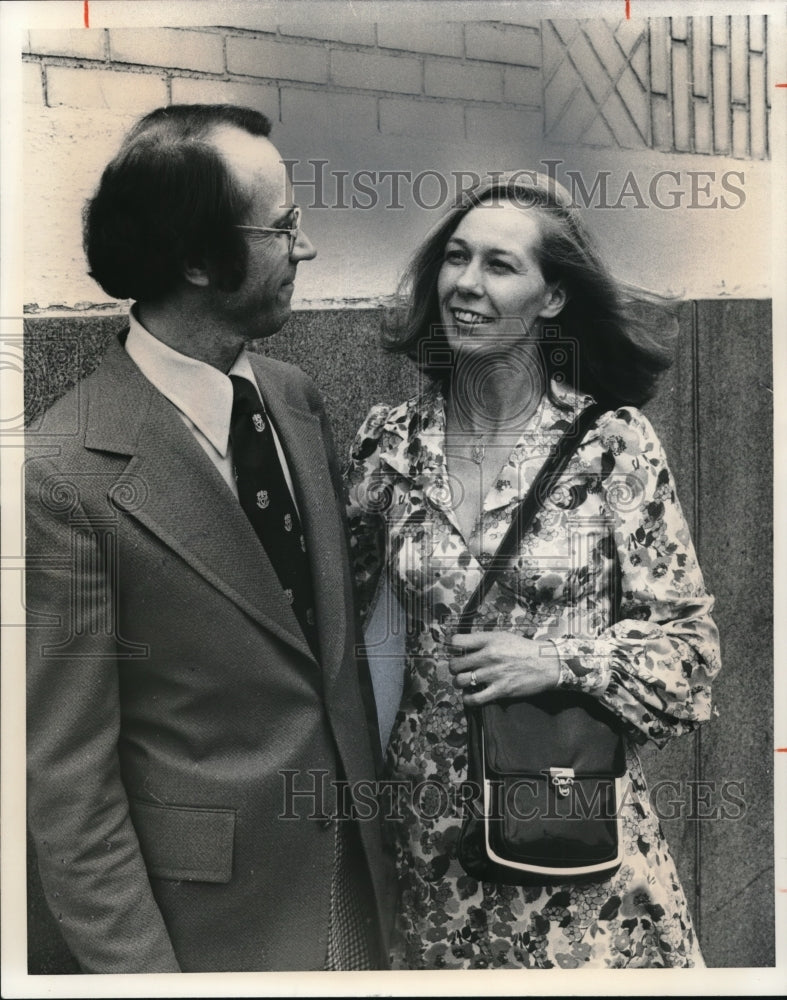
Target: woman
517,327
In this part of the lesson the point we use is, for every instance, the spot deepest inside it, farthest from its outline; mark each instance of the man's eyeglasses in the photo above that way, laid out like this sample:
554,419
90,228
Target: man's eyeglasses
290,231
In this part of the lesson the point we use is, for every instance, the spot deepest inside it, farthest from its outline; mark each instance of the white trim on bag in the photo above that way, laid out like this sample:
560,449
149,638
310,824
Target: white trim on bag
542,869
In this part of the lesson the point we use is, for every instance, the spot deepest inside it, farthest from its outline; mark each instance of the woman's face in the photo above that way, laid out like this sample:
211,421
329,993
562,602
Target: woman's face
490,287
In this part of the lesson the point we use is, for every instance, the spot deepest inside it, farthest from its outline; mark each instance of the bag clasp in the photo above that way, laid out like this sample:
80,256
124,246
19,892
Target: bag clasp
562,778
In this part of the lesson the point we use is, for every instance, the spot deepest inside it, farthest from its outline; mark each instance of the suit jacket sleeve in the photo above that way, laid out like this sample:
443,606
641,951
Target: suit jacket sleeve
92,870
364,675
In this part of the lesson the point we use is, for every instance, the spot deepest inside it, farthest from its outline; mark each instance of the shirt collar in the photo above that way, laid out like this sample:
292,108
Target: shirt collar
201,392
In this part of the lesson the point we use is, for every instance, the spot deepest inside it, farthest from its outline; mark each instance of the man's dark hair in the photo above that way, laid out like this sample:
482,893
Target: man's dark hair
168,198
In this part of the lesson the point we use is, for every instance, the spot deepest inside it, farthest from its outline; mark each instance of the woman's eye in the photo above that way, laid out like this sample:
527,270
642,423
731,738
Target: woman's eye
454,256
500,265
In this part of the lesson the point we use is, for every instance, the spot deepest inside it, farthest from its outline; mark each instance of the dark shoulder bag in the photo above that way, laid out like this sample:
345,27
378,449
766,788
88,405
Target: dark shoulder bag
544,772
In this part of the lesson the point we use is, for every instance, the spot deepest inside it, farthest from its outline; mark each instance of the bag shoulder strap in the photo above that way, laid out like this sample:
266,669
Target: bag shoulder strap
543,484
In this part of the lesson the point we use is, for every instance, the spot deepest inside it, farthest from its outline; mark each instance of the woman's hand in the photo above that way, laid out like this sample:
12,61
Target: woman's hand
488,666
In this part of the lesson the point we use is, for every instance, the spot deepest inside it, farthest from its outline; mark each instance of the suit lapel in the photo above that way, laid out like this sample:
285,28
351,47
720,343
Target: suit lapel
184,501
318,504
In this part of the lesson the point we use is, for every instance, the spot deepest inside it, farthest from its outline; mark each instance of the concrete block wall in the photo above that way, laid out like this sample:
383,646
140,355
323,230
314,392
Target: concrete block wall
457,62
698,83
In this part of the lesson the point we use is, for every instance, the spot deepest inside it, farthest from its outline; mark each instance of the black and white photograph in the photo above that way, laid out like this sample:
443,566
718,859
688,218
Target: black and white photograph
391,434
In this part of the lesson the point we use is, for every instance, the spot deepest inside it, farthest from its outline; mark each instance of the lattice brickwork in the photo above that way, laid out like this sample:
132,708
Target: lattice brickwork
682,84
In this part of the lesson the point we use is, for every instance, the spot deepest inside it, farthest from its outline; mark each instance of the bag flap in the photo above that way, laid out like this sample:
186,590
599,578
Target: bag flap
558,729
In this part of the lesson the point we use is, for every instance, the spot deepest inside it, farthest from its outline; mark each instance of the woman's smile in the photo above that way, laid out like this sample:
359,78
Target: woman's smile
466,317
490,277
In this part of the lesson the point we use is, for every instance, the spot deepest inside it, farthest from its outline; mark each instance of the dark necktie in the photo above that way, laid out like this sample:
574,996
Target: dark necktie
267,501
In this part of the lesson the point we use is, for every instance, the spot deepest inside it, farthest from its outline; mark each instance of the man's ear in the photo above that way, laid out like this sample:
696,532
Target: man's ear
556,298
196,273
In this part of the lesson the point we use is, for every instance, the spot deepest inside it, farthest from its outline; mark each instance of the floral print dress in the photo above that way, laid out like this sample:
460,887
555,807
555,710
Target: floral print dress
609,574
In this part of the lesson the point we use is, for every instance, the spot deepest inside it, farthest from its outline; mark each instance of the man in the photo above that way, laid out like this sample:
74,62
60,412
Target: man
193,685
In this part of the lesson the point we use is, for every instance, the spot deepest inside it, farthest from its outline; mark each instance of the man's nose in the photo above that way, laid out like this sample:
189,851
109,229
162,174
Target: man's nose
303,249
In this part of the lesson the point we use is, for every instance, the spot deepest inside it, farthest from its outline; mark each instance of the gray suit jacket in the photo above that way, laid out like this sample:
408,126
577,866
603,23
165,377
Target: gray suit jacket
174,706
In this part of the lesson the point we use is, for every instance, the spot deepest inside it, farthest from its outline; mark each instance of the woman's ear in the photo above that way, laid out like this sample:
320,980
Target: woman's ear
555,299
196,273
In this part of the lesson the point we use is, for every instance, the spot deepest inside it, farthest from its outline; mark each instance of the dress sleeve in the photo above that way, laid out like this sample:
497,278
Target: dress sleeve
654,665
368,498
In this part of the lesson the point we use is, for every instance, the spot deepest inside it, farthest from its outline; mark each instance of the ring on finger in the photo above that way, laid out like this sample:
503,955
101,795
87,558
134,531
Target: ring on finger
473,679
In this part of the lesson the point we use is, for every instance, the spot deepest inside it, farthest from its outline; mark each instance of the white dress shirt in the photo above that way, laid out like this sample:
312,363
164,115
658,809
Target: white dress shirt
201,394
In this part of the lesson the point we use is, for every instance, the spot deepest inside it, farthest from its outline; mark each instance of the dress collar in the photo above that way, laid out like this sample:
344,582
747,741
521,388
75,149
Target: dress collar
413,441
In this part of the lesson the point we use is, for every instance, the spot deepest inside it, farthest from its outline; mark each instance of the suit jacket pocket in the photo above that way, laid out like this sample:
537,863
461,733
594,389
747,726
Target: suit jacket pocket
185,842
